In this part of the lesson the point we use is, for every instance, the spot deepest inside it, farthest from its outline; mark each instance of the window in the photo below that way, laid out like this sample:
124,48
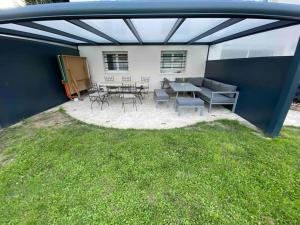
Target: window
115,61
172,61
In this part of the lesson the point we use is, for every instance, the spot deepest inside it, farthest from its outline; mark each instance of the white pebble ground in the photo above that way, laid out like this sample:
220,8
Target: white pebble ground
147,116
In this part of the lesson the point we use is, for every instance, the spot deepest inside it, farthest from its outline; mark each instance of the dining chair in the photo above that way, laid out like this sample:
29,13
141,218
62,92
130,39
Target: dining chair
145,85
126,79
112,90
97,95
109,78
128,95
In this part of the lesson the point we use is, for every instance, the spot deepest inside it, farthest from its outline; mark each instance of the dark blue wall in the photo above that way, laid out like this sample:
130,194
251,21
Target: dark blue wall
260,81
30,80
297,96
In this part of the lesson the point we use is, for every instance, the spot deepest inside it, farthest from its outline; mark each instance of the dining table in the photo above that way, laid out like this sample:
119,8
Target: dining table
184,88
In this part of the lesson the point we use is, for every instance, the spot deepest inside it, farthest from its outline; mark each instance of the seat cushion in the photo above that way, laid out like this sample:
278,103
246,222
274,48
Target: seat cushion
185,101
218,98
160,94
205,94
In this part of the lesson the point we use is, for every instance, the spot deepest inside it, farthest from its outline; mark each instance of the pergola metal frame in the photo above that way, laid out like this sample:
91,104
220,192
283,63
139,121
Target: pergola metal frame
288,15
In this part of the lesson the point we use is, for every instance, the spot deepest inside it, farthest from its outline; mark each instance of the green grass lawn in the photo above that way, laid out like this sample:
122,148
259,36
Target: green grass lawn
211,173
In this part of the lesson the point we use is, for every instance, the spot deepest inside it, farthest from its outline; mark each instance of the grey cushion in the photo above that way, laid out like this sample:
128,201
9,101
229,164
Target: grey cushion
207,83
160,94
205,94
218,98
186,101
197,81
216,85
227,87
219,86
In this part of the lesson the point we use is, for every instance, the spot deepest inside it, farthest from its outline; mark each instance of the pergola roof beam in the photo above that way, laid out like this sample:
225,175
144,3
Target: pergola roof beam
215,29
34,36
54,31
93,30
174,29
133,30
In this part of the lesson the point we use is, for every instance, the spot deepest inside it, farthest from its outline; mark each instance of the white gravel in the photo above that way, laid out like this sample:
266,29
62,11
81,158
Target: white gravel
147,116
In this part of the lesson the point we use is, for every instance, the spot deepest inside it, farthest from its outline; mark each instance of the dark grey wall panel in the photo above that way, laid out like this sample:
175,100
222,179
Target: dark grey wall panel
30,80
260,82
297,96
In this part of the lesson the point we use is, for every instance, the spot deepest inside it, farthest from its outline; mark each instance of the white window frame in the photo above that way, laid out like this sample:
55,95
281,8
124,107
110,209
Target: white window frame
117,53
173,70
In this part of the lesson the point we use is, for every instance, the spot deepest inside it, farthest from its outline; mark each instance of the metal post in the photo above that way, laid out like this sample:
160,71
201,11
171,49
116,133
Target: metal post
287,94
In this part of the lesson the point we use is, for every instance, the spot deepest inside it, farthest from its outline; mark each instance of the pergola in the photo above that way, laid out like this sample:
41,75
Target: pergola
156,23
146,22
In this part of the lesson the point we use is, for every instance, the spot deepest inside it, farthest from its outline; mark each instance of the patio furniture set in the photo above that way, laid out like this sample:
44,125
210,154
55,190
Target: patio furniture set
199,90
189,92
128,91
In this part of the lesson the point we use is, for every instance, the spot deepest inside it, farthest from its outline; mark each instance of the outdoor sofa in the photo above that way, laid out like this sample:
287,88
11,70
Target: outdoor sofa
213,92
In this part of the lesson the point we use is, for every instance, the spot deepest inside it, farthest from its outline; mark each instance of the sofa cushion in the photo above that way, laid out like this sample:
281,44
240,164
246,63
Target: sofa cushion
218,98
186,101
160,95
205,94
215,86
197,81
207,83
227,87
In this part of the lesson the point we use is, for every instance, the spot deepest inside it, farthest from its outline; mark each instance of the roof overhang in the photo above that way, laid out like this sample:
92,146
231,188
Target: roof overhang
236,11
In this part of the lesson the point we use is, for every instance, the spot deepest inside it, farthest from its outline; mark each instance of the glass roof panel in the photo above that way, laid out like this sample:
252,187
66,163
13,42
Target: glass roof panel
115,28
72,29
153,30
279,42
36,31
193,27
246,24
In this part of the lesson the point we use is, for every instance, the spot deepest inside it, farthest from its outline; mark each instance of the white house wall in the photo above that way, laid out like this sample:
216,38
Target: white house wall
145,61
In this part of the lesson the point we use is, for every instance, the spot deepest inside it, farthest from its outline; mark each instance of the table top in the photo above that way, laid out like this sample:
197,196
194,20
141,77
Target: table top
119,83
184,87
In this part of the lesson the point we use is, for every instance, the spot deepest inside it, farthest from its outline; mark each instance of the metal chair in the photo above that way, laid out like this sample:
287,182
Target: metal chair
109,78
111,90
126,79
128,95
96,95
144,89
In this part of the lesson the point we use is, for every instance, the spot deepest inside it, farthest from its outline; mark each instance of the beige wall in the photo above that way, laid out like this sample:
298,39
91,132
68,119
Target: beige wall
145,61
